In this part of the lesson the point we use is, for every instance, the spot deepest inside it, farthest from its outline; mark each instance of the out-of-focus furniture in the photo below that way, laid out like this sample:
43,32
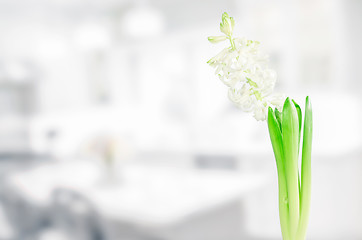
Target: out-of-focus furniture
74,215
145,202
6,230
25,218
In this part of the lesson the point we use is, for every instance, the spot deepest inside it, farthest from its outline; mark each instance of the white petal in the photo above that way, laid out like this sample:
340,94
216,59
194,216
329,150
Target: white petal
260,111
277,100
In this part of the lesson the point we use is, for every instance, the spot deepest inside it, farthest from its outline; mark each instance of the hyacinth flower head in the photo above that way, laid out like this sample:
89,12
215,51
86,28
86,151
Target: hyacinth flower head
243,68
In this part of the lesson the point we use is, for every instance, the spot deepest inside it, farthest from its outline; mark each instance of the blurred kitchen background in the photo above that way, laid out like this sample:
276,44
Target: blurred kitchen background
112,125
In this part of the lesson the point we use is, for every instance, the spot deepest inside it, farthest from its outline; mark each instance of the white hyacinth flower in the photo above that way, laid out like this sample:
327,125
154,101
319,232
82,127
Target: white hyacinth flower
244,69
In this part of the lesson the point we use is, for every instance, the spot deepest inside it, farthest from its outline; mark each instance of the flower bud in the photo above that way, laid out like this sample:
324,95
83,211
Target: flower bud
227,24
216,39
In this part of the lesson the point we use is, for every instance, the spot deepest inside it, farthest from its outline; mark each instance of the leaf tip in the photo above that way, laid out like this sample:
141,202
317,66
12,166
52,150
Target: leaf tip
307,101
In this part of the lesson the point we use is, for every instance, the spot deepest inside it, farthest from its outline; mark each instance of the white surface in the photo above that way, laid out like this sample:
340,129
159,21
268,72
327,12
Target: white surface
144,195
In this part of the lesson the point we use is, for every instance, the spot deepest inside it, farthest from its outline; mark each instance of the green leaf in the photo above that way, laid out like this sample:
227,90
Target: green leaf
306,171
290,128
299,111
278,116
277,143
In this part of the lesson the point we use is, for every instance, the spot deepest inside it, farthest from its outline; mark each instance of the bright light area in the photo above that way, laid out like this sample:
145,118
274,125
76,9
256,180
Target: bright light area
113,126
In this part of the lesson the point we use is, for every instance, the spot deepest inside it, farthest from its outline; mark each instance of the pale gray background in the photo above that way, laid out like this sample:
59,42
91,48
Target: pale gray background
75,72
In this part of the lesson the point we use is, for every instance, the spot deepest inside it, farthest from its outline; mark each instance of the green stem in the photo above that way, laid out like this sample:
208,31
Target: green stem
232,42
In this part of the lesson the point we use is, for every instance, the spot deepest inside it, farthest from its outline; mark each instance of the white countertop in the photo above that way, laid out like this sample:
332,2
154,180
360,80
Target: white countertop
151,196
